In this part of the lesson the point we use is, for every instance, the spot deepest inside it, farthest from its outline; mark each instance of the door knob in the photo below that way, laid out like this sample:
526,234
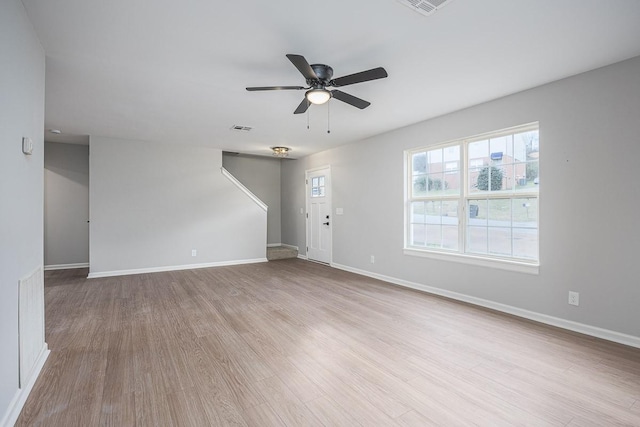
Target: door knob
325,223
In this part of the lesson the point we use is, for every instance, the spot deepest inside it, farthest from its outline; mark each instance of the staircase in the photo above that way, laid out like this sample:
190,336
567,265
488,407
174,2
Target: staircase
281,252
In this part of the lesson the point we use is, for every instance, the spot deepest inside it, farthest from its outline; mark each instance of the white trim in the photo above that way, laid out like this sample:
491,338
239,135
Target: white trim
318,168
570,325
502,264
304,257
284,245
172,268
19,399
244,189
66,266
273,245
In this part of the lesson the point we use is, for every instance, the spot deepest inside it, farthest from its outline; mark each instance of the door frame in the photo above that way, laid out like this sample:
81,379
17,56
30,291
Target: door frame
307,204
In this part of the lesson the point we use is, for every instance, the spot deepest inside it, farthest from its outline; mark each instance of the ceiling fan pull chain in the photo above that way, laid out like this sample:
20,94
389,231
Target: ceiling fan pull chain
308,119
328,117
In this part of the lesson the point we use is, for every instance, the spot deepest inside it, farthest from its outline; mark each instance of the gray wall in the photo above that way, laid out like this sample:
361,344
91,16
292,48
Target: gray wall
589,205
66,204
151,204
261,175
21,183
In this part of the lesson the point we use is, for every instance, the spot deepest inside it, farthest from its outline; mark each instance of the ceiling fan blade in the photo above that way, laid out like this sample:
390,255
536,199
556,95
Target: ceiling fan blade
350,99
363,76
303,66
303,107
252,89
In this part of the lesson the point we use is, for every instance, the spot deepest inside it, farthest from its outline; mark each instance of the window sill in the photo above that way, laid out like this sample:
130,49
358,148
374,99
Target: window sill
520,267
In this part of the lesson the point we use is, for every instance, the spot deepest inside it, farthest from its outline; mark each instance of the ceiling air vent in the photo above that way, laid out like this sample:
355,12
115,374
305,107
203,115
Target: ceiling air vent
241,128
425,7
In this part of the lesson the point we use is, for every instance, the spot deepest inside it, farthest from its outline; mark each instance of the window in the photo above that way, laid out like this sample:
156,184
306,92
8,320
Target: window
317,186
476,197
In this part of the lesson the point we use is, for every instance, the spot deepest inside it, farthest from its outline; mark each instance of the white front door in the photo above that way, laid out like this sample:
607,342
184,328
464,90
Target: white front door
319,218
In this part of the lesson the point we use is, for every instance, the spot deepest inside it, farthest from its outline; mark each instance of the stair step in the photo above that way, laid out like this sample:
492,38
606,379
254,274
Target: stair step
281,252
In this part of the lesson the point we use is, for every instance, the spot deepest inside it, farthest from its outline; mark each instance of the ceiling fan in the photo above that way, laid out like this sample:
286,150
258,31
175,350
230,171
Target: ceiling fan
319,78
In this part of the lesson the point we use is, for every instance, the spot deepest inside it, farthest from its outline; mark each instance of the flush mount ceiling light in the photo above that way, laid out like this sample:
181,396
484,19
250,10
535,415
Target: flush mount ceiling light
281,151
318,96
55,131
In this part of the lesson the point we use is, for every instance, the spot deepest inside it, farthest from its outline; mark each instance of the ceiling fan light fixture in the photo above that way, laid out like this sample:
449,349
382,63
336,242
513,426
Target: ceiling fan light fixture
318,96
281,151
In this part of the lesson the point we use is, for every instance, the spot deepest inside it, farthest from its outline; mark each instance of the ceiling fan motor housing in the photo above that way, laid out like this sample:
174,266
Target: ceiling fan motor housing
324,73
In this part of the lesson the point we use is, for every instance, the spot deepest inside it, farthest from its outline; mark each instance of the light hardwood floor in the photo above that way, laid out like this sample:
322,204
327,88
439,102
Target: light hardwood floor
295,343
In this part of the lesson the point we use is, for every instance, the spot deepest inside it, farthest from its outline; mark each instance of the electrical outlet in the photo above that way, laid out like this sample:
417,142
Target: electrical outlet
373,259
194,252
574,298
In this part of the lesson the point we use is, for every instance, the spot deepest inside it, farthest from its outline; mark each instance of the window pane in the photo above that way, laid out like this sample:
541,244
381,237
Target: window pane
434,160
486,178
477,240
500,241
417,235
452,183
520,147
434,224
525,212
321,181
499,147
452,153
499,213
419,161
477,212
532,173
419,186
450,237
449,212
525,243
418,212
432,209
479,151
435,183
434,236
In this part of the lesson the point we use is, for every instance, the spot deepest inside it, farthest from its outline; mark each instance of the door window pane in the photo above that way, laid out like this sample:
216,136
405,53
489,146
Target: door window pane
317,186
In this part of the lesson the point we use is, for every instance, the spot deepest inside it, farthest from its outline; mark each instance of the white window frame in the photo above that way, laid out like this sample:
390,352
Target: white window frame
506,263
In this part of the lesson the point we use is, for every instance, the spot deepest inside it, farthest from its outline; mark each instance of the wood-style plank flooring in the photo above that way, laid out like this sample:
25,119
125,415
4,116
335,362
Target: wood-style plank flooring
293,343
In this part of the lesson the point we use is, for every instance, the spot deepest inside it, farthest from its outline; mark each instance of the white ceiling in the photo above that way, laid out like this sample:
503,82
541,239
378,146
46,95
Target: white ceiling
176,71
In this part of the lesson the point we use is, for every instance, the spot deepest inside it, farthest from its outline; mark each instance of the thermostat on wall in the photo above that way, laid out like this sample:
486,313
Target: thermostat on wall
27,145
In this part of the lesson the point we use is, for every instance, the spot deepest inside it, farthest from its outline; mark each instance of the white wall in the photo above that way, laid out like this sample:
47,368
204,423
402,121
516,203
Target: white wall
21,188
66,204
261,175
151,204
589,205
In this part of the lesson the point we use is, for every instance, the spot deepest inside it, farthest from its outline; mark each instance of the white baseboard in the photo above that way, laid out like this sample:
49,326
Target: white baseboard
274,245
66,266
593,331
19,399
172,268
304,257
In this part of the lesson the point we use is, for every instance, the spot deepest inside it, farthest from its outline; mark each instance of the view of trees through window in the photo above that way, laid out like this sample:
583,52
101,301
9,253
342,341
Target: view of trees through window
477,196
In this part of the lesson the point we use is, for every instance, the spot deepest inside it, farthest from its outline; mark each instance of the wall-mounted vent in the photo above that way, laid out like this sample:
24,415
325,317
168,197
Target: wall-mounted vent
241,128
425,7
